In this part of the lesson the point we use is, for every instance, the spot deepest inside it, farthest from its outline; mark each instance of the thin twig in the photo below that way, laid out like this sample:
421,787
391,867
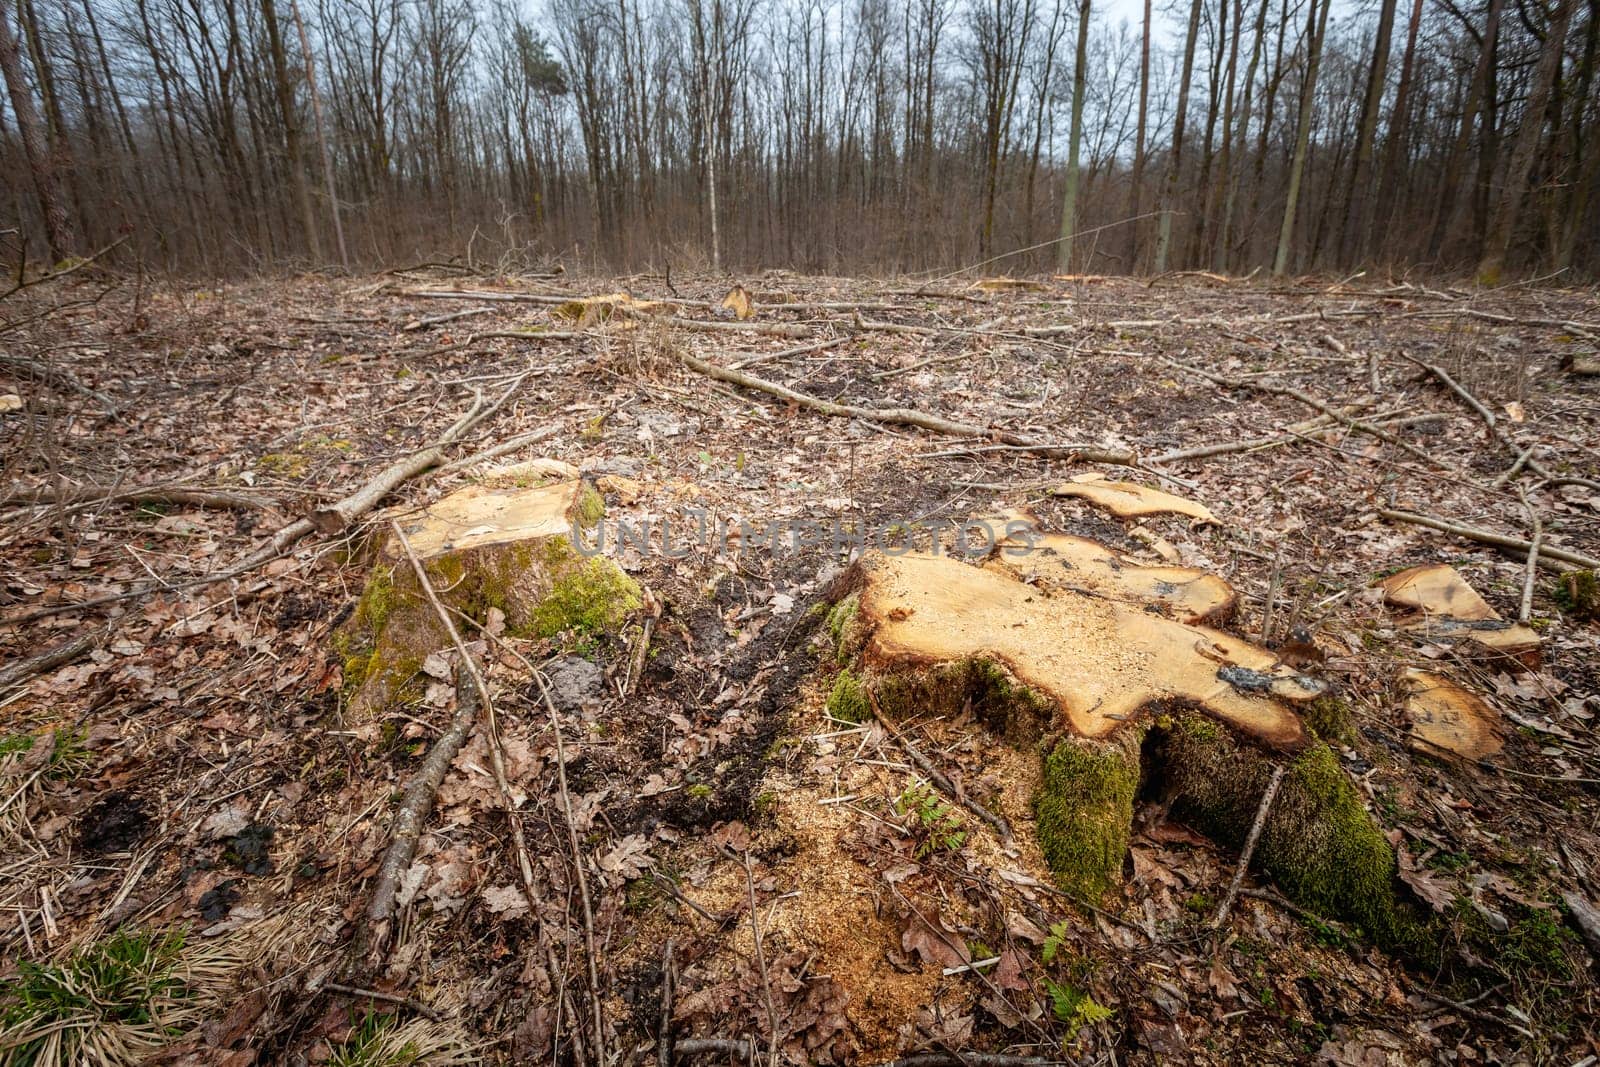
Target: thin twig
1249,849
578,866
1526,610
1549,557
761,962
938,777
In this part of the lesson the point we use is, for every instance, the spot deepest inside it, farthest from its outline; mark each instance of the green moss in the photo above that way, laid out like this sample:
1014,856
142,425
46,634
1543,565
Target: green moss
847,700
587,597
996,699
1319,844
844,627
589,508
377,599
1578,594
1329,718
1085,810
699,791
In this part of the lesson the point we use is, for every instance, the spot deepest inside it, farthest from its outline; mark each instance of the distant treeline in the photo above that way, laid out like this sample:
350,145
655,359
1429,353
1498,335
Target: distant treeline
218,136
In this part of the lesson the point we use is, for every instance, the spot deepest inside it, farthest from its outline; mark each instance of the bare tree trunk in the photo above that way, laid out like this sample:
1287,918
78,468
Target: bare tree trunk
1445,205
1394,150
1169,191
291,128
1503,223
1359,195
47,183
1069,203
322,137
1136,181
1225,230
1316,26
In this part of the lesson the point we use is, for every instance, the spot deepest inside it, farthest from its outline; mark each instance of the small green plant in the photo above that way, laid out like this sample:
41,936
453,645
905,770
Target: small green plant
1074,1007
699,791
110,1002
383,1041
935,824
1070,1004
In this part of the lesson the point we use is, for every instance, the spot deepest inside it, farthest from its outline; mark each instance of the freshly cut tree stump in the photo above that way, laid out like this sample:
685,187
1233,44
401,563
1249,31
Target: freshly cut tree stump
1061,561
485,549
1121,699
1129,500
1449,720
1446,608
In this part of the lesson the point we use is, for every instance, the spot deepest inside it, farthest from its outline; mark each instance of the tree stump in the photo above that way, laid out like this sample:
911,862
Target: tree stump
489,550
1073,650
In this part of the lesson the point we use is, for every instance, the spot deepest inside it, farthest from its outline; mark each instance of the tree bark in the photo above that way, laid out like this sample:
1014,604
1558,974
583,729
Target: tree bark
1503,223
46,180
1316,26
1069,203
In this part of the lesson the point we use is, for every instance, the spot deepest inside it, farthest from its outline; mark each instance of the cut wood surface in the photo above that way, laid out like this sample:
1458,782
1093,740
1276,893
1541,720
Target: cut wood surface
1448,719
1449,609
1105,663
1128,500
1061,561
484,515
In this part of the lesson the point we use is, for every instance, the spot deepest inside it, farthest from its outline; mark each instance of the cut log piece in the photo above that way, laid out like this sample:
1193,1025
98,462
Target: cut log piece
739,304
1446,608
1010,285
602,307
1128,500
1123,699
1449,720
1061,561
507,551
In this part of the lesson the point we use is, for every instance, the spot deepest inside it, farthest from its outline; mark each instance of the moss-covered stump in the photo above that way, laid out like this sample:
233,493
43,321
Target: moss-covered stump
1126,700
485,549
1319,843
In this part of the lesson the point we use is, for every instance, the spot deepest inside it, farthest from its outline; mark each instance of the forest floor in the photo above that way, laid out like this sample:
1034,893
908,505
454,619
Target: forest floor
752,869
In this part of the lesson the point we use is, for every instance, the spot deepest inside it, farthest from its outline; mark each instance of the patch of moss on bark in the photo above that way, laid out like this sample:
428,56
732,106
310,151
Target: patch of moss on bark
586,596
846,700
1084,810
1319,844
1329,718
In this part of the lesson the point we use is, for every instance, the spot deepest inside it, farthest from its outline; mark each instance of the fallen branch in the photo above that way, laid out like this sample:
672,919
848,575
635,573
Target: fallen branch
1549,556
590,952
435,320
1267,797
58,380
768,357
1310,401
668,987
491,726
63,654
1526,610
893,416
1524,456
745,1050
372,940
93,494
336,517
1053,450
388,998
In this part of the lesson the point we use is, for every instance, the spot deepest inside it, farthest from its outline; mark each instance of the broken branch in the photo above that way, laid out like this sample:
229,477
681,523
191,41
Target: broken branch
1549,556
